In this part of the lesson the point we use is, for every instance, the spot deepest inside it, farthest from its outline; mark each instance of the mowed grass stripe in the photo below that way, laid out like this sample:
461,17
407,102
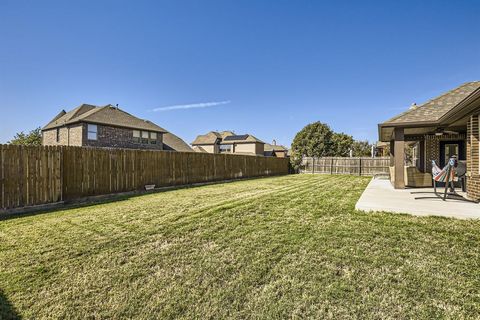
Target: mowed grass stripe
247,200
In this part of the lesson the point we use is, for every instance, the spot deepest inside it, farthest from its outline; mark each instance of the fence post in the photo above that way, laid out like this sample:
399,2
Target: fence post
62,178
313,165
360,166
331,166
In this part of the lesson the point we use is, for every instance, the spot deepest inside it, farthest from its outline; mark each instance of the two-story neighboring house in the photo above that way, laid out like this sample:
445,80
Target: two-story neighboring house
228,142
108,126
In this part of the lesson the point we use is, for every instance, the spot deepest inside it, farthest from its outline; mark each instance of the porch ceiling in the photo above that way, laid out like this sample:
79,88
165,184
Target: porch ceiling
386,133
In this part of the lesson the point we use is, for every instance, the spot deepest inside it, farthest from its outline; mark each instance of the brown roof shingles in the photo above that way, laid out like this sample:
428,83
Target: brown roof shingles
213,137
209,138
175,143
271,147
434,109
107,115
249,139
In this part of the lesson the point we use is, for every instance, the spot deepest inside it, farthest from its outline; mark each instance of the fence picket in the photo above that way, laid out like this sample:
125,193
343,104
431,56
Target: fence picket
39,175
342,165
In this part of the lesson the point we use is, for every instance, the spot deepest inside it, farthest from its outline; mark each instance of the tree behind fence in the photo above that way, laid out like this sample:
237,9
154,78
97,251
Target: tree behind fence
39,175
342,165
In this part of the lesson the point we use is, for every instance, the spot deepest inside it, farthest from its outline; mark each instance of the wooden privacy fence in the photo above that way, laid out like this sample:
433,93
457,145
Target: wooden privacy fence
40,175
341,165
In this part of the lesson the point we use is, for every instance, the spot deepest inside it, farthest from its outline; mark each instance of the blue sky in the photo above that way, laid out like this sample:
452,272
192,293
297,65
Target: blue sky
272,66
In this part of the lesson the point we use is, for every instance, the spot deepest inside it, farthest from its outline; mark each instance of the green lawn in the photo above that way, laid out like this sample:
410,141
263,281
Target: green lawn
283,247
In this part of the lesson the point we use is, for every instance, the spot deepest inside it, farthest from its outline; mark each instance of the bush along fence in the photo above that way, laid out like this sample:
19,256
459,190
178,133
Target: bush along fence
32,176
341,165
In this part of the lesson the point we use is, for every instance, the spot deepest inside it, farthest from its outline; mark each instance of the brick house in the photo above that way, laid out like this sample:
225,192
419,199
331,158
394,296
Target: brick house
444,126
108,126
228,142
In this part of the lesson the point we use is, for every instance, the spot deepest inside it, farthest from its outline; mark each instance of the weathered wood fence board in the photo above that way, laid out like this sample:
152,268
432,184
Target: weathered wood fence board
29,176
40,175
340,165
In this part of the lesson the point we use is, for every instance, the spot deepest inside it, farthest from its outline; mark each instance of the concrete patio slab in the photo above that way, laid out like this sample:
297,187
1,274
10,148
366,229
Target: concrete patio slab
381,196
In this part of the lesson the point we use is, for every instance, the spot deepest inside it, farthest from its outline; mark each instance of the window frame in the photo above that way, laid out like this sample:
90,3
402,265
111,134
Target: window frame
153,140
57,135
89,131
144,137
223,148
138,138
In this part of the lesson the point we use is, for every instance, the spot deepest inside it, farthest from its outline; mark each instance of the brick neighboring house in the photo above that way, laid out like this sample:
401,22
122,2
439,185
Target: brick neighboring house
444,126
228,142
274,150
108,126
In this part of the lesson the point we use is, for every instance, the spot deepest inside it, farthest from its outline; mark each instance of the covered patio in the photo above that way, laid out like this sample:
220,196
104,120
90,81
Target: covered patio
380,196
443,127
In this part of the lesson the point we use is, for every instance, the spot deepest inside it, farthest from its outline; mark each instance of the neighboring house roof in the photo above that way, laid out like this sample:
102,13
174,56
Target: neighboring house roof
199,149
225,137
174,143
245,138
107,115
209,138
436,108
224,134
271,147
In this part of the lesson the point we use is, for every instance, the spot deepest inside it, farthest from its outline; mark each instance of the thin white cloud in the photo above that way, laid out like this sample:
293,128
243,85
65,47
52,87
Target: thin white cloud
192,106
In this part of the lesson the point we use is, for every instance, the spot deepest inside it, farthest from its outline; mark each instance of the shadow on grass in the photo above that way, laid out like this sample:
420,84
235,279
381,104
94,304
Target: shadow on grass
7,311
109,198
67,206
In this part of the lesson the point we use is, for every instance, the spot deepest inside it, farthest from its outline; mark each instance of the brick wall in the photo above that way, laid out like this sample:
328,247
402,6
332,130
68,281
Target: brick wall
432,148
473,165
432,151
116,137
67,136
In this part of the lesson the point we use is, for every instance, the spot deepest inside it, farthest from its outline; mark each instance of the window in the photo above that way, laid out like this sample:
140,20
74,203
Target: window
145,137
92,131
225,148
153,138
136,136
451,149
58,134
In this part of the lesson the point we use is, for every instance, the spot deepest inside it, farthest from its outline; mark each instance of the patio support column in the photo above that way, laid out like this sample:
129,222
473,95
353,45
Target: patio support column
399,154
392,153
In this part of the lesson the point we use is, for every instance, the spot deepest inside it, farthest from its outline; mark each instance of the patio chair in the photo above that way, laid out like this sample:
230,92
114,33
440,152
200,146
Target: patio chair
462,174
447,176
